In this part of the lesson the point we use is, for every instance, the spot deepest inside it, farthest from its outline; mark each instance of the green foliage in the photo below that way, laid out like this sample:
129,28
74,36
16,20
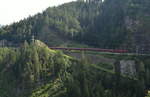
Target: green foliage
52,89
30,65
108,24
33,70
54,26
148,95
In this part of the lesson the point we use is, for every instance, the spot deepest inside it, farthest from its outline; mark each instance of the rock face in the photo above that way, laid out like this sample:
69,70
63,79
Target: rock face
127,67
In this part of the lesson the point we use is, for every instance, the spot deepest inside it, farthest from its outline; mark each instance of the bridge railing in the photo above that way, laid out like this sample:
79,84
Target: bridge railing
91,49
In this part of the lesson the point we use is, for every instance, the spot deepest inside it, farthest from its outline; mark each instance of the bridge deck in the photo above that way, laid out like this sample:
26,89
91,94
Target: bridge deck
91,49
108,51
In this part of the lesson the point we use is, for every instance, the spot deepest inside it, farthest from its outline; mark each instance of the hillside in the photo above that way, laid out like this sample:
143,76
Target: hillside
34,70
28,68
108,24
54,26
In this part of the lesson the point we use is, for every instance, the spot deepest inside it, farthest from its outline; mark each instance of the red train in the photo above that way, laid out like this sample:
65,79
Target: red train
91,49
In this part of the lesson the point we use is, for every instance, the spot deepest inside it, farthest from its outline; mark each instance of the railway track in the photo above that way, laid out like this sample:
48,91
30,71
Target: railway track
91,49
107,51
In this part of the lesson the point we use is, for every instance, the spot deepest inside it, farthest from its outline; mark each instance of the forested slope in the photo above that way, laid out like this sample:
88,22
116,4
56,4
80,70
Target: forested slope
54,26
34,70
107,24
31,69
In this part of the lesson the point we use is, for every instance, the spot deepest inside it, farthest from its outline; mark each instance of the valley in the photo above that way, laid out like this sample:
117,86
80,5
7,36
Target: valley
84,48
